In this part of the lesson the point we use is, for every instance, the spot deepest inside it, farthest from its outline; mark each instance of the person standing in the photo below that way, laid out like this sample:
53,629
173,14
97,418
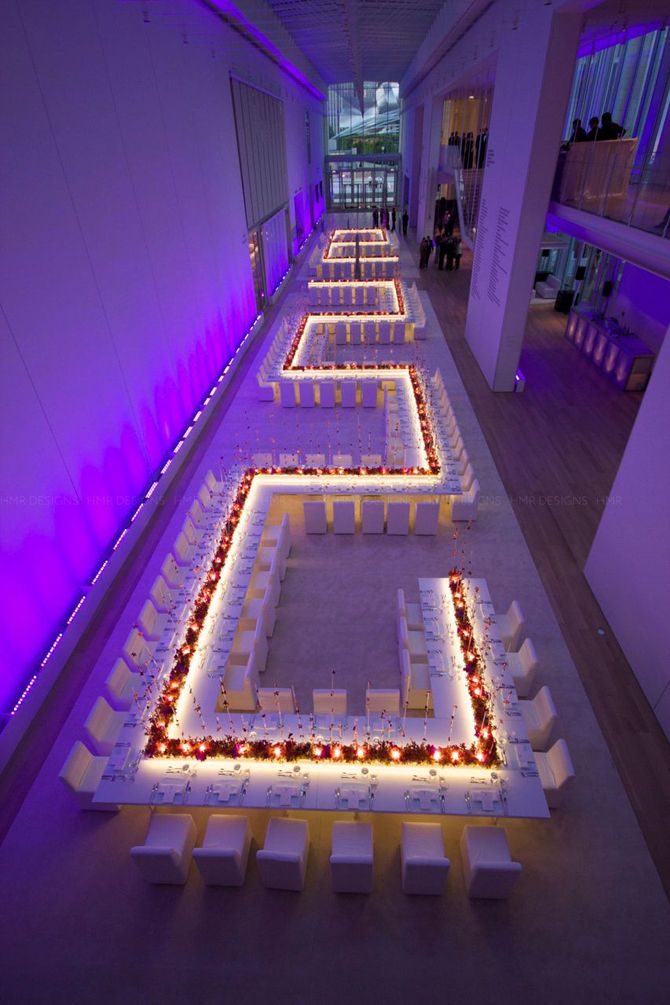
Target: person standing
405,221
424,252
449,245
594,131
458,252
375,217
610,130
441,250
578,134
393,219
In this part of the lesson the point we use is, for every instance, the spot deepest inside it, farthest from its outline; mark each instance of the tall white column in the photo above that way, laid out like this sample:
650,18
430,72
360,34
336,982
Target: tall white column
532,84
628,567
432,132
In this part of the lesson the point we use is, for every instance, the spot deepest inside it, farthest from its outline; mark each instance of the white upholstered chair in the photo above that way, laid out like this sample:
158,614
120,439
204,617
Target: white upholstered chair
466,506
103,726
306,394
162,597
489,870
344,516
343,461
277,699
326,393
314,511
315,460
426,517
152,623
348,393
412,613
172,573
556,772
278,536
523,666
287,393
415,682
222,858
165,856
241,683
81,775
511,626
540,717
425,867
414,642
371,460
282,862
382,699
351,859
122,684
397,517
372,516
328,701
369,394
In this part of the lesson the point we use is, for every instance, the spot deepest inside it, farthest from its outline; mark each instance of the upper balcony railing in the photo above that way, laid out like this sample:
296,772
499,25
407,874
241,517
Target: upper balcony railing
602,178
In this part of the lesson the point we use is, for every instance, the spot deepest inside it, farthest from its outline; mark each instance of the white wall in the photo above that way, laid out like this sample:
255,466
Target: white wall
628,567
125,280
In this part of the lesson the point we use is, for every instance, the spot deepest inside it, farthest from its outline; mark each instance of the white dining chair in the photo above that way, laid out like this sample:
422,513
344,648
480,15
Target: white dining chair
348,393
138,653
182,550
269,558
314,511
426,517
352,857
165,856
372,516
287,393
261,460
369,394
277,699
163,598
523,666
415,684
489,870
247,643
466,506
289,460
315,460
223,856
556,772
371,460
425,867
382,699
103,726
152,623
511,626
397,517
81,774
540,717
344,516
412,612
240,681
282,861
278,536
413,641
326,393
329,701
258,609
122,684
173,574
343,461
306,393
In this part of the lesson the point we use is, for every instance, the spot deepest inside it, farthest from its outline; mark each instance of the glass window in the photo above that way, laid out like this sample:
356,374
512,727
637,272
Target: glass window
374,129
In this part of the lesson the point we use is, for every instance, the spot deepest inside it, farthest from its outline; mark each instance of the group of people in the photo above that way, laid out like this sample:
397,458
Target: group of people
448,246
599,129
382,218
473,148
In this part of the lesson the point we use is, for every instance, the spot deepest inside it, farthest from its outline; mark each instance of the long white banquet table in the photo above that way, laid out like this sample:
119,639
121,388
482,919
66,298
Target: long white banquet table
511,789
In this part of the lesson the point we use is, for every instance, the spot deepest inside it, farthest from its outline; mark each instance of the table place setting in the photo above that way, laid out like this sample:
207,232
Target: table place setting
431,800
354,797
227,792
171,790
286,794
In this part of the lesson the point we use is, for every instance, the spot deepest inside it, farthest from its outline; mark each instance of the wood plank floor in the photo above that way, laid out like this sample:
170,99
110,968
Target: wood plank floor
557,448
